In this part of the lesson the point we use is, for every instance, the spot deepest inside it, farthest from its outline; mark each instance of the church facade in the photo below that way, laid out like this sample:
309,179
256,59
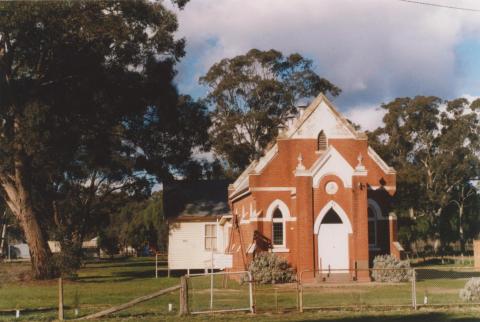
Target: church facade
319,197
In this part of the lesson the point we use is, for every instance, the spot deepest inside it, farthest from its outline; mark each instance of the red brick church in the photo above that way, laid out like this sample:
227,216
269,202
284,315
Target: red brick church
319,197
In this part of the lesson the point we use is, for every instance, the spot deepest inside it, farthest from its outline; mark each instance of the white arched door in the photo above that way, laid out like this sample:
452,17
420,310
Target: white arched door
333,242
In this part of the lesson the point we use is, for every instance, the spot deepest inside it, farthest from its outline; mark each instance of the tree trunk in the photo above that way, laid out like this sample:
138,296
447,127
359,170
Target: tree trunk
460,228
20,203
41,256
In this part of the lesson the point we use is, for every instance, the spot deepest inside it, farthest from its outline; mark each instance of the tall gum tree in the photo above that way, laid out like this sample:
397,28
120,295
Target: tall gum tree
252,95
433,144
82,83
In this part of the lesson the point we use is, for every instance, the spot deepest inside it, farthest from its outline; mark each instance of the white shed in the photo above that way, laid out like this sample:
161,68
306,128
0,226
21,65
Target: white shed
199,224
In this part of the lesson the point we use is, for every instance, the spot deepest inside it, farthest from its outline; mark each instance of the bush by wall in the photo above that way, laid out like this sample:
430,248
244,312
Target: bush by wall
471,291
387,268
267,268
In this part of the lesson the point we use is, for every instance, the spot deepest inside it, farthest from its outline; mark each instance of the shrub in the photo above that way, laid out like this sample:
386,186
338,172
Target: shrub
65,264
267,268
69,260
471,291
387,268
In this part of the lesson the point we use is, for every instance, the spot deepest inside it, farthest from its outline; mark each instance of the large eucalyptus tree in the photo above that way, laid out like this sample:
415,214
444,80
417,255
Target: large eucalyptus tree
252,95
434,146
87,104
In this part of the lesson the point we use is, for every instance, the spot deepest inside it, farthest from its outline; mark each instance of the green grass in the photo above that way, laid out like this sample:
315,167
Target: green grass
99,285
102,284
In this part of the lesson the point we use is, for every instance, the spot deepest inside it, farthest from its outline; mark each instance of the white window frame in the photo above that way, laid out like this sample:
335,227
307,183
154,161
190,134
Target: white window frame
284,229
215,238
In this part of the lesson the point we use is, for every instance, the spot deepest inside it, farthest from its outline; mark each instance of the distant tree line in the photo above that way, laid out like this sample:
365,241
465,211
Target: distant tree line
434,145
137,224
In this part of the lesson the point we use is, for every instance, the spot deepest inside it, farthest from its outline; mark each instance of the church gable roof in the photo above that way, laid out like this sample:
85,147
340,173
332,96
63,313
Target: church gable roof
321,114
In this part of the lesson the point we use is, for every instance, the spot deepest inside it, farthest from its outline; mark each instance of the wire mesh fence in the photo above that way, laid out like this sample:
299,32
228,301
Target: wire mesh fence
356,288
447,286
431,286
276,297
80,300
220,292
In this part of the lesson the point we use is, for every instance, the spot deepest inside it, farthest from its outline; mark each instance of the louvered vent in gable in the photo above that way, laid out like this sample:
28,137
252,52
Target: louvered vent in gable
322,141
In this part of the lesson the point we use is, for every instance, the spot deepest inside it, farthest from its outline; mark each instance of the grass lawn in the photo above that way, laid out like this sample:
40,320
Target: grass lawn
98,285
102,284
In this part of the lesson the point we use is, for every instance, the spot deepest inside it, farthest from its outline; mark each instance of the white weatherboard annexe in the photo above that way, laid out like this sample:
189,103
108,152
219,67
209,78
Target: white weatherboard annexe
199,222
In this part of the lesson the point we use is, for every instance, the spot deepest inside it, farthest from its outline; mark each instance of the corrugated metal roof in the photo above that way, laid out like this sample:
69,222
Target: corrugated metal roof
200,198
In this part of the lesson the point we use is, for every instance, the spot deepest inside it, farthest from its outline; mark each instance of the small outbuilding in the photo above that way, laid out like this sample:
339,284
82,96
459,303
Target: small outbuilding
199,221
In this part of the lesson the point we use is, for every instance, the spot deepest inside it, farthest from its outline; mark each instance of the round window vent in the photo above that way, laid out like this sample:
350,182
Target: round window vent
331,188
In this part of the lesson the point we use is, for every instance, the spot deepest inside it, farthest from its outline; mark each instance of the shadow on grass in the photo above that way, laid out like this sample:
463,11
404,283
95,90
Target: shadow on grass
101,279
304,317
124,276
433,317
428,274
117,263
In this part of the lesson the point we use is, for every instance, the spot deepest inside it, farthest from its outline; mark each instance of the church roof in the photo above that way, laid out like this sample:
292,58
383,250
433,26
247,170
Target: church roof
320,114
317,113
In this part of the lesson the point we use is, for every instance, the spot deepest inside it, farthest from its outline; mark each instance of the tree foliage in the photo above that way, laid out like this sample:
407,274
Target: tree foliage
434,146
137,224
87,106
254,93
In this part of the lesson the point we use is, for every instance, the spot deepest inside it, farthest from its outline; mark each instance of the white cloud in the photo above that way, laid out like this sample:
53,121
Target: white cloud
374,50
470,97
368,117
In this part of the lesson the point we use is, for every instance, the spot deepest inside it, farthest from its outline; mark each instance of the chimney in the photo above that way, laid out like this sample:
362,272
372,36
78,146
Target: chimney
301,110
290,120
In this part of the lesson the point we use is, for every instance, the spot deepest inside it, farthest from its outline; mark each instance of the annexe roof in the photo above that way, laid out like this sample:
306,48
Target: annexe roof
185,200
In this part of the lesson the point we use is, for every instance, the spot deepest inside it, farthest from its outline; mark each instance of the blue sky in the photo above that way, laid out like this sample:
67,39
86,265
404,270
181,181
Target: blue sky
468,64
375,50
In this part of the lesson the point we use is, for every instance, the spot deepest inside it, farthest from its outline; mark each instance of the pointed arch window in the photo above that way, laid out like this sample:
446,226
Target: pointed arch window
278,228
321,141
331,217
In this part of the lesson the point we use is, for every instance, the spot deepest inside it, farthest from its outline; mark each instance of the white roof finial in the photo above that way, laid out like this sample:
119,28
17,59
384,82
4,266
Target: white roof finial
360,159
360,166
300,165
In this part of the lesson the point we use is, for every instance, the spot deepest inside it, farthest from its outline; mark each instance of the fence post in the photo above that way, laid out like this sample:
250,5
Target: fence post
211,290
300,296
414,289
276,299
250,289
183,297
156,265
356,271
60,299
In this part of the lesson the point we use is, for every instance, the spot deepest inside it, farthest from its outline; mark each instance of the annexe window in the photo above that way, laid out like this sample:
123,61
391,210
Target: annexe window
321,141
278,228
210,237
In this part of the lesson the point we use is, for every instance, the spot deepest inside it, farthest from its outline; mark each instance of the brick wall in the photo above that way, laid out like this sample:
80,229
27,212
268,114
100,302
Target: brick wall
305,201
